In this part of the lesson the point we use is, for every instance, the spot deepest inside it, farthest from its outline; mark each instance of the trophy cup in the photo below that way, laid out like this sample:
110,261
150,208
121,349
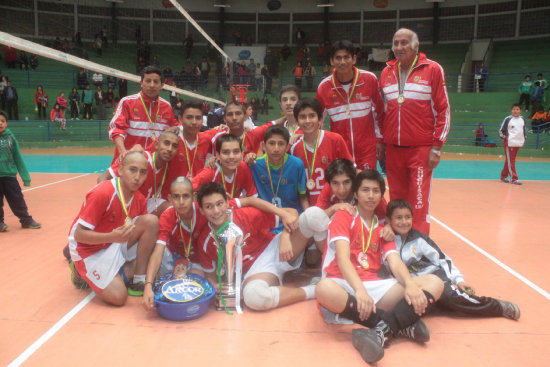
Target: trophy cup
228,293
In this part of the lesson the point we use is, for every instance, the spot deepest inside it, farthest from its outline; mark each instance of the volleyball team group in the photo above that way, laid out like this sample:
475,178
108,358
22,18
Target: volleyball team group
289,186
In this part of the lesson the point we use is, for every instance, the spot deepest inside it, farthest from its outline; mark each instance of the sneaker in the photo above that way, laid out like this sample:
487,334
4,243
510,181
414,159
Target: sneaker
505,180
369,343
32,225
516,182
418,332
510,310
76,279
67,252
136,289
3,227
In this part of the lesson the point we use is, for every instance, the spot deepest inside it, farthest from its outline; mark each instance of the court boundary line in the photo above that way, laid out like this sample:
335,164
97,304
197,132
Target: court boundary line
56,182
51,332
494,259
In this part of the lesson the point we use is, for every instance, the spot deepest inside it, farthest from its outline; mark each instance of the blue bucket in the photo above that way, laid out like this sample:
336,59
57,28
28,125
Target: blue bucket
182,311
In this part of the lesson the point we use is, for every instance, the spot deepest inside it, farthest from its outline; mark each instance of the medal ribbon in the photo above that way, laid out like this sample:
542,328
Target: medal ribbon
408,73
363,235
234,180
121,198
189,164
355,79
187,248
147,111
310,169
242,141
156,193
269,174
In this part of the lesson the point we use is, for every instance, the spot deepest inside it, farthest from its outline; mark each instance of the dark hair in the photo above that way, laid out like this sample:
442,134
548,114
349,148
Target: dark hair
164,132
371,175
340,166
2,113
234,103
516,105
397,204
226,138
342,45
527,76
290,88
277,130
311,103
208,189
192,103
152,69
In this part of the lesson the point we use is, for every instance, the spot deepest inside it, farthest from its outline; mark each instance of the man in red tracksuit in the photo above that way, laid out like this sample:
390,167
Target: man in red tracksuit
140,118
416,123
350,97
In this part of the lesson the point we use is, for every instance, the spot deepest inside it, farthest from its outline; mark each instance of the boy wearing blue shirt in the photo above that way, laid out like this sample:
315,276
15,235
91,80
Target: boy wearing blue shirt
280,178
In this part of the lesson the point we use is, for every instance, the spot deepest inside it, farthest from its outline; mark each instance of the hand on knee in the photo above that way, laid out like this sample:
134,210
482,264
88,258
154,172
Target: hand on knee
259,296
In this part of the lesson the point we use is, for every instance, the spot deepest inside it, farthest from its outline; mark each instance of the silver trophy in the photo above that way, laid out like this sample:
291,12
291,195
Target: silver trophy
229,239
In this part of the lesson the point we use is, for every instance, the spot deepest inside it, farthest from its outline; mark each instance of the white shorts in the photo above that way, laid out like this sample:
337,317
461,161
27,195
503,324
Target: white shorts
375,288
151,207
268,262
100,269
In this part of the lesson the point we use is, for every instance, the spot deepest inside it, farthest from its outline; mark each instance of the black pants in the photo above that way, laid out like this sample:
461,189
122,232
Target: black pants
41,111
12,109
87,111
9,188
456,300
525,97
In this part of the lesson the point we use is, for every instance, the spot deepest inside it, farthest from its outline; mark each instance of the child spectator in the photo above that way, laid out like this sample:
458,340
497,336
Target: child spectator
40,102
536,95
538,118
525,89
11,162
62,101
480,135
87,99
265,105
110,97
74,100
57,116
512,131
421,255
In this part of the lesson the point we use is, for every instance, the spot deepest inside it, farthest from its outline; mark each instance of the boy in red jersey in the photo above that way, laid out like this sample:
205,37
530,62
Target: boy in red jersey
112,223
317,148
231,171
351,290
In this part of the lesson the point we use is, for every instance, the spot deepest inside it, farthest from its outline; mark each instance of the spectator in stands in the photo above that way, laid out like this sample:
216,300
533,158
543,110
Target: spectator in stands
300,37
140,65
266,72
99,97
251,70
480,135
481,77
57,116
10,56
538,118
97,79
536,96
11,98
285,52
98,45
40,102
265,105
34,62
298,72
87,100
23,61
62,101
249,115
110,98
74,100
243,73
188,44
155,61
111,82
310,73
3,84
525,89
168,75
82,79
78,39
258,77
65,45
256,106
544,85
122,88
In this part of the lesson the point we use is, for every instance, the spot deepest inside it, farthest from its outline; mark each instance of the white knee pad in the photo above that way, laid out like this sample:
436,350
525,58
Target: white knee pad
259,296
313,222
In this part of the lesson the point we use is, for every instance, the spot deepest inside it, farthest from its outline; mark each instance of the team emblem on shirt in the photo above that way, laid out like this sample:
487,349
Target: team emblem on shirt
416,78
374,247
324,159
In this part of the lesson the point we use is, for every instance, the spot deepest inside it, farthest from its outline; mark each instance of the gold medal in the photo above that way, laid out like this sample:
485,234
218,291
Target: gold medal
310,184
401,99
362,260
128,222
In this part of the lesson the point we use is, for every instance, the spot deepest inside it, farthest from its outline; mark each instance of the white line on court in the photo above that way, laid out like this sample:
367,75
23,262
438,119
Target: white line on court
48,334
56,182
495,260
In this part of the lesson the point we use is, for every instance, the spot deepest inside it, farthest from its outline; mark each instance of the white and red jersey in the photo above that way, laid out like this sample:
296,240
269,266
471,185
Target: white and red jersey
255,226
250,141
241,183
424,117
102,212
327,199
131,121
330,146
153,180
344,226
356,117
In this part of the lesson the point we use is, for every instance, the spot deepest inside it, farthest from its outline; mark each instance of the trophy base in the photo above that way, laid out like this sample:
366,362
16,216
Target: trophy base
230,302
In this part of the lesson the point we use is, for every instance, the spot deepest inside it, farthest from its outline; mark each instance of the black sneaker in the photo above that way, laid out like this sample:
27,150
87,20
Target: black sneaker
76,279
369,343
510,310
418,332
136,289
32,225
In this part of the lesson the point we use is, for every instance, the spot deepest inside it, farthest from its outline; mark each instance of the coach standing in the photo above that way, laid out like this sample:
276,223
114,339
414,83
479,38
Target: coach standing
415,124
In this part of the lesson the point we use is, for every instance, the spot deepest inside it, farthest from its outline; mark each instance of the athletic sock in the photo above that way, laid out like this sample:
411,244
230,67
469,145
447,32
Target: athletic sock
138,278
403,315
310,291
350,312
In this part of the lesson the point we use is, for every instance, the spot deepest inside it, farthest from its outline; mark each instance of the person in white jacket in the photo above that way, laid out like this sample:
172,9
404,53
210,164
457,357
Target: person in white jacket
512,131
